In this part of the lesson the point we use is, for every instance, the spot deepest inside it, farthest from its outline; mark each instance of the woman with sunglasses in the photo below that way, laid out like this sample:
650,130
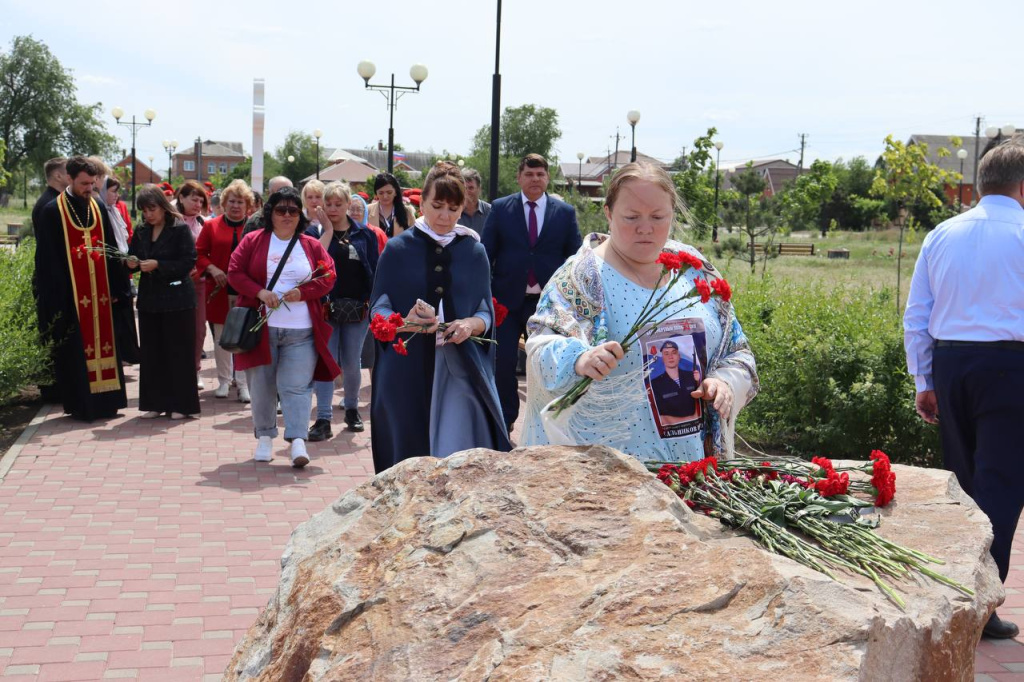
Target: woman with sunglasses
293,347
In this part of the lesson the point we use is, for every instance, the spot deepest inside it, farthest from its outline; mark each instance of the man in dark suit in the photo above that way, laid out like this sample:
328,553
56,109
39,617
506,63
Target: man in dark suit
528,235
57,181
672,388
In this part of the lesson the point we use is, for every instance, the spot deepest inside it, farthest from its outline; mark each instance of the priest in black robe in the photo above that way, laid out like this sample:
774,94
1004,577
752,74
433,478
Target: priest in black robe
77,284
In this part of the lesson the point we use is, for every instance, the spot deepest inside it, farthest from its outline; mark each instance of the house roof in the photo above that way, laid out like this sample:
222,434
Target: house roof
142,169
950,162
591,171
378,158
352,172
215,148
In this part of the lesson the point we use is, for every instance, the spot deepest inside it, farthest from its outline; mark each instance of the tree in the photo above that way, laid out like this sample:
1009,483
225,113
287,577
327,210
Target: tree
801,203
696,185
243,170
754,210
524,130
302,147
906,177
4,175
40,116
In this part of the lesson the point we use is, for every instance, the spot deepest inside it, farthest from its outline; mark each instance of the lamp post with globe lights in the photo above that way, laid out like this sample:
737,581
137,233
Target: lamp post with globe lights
579,174
961,154
118,112
317,133
718,160
418,73
170,146
633,117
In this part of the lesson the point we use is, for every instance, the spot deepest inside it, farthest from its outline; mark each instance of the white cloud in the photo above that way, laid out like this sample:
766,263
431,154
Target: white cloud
97,80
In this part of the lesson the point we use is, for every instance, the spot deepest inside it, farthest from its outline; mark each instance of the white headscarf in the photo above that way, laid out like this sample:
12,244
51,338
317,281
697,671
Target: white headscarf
446,238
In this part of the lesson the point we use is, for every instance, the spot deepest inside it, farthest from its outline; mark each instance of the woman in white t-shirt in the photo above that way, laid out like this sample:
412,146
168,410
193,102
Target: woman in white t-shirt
293,348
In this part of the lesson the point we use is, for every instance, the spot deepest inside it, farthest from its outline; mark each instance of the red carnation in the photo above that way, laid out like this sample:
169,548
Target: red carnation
670,261
835,484
396,320
95,255
883,479
703,289
399,347
722,288
500,312
382,329
824,463
691,261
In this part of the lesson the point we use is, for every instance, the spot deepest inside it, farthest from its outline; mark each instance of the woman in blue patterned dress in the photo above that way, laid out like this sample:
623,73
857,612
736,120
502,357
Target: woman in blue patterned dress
697,358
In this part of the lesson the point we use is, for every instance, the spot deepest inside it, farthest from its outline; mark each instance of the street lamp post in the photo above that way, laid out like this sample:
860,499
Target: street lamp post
418,73
633,117
151,170
961,154
170,146
317,133
579,174
198,144
718,161
118,112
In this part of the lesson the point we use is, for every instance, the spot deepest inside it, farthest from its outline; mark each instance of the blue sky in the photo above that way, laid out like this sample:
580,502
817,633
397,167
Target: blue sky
846,74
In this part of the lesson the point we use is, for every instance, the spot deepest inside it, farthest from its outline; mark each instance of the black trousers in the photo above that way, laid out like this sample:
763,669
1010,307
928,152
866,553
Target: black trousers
167,370
507,357
981,421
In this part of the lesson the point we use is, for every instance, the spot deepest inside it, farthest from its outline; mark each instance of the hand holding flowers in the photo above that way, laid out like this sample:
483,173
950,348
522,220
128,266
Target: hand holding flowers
272,301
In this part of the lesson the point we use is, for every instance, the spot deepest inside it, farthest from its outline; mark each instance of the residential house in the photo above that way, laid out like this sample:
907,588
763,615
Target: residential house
216,157
950,163
351,171
143,173
777,173
589,176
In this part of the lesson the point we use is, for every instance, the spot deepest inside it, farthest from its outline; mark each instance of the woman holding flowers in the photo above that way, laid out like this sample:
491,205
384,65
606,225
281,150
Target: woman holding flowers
636,313
434,393
162,249
292,349
193,203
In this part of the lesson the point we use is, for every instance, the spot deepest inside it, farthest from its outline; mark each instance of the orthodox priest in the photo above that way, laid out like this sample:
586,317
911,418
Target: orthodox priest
77,285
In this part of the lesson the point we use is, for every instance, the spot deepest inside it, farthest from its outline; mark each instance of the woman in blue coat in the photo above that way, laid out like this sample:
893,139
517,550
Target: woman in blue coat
440,398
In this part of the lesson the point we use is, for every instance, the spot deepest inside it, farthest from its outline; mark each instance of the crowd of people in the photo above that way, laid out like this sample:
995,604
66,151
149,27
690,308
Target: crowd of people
466,282
319,262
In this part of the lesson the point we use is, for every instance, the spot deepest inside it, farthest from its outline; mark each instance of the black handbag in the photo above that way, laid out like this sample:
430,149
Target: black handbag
347,310
238,335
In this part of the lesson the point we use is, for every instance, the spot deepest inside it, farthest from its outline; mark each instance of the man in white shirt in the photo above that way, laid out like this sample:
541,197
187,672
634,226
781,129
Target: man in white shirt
964,337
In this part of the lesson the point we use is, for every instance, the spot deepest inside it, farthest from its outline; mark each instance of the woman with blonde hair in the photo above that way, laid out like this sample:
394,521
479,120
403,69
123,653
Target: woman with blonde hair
163,251
354,250
217,241
312,199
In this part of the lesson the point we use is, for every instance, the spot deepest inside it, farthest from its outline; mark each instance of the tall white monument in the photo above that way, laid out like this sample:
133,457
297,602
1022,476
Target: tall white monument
257,134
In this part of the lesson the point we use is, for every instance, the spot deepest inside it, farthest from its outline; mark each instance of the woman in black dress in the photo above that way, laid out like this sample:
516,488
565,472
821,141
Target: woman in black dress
162,248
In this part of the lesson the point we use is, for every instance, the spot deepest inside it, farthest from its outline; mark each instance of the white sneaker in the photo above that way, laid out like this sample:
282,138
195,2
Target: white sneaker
150,415
263,453
222,390
299,456
243,395
200,385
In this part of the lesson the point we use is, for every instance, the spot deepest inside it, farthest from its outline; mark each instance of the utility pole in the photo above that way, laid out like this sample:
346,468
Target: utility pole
977,152
616,137
803,144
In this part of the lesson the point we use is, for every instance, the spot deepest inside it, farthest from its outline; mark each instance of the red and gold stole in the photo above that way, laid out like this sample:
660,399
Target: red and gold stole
91,288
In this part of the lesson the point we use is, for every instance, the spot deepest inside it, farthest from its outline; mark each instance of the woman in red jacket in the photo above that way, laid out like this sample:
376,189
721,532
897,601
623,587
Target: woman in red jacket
217,240
293,346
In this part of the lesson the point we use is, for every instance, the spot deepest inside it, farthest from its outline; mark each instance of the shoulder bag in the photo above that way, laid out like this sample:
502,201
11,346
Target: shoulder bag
238,335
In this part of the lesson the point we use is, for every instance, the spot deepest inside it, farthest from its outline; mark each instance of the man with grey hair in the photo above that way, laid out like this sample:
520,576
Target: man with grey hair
255,221
474,211
964,338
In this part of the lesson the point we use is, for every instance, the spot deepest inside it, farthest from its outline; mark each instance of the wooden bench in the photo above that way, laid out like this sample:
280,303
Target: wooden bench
796,249
9,239
839,253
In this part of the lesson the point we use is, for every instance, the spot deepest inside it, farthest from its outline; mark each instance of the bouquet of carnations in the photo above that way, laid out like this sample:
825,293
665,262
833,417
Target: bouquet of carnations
385,329
776,500
322,271
655,311
96,251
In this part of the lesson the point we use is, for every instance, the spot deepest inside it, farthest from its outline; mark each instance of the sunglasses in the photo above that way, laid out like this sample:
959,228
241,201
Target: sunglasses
286,210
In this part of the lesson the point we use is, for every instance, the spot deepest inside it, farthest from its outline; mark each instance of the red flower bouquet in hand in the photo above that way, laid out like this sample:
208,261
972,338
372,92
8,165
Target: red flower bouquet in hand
323,270
657,310
500,312
386,329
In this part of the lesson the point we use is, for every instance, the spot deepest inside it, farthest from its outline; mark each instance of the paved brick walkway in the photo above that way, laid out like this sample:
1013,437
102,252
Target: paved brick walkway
134,549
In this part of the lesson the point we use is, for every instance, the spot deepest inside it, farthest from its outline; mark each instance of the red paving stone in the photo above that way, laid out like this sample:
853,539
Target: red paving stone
129,540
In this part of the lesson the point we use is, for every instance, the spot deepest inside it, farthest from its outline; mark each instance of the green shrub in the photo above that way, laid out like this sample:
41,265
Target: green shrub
23,359
833,374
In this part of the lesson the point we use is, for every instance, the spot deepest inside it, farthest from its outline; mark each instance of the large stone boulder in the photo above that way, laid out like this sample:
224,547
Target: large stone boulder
576,564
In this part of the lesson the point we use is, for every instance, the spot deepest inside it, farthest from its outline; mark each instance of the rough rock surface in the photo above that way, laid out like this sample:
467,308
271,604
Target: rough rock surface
576,564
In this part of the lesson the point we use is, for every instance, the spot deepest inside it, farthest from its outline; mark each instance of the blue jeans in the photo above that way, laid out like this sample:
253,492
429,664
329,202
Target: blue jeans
290,376
346,346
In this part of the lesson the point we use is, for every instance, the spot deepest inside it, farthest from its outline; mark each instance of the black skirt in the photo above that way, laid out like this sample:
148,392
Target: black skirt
167,371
